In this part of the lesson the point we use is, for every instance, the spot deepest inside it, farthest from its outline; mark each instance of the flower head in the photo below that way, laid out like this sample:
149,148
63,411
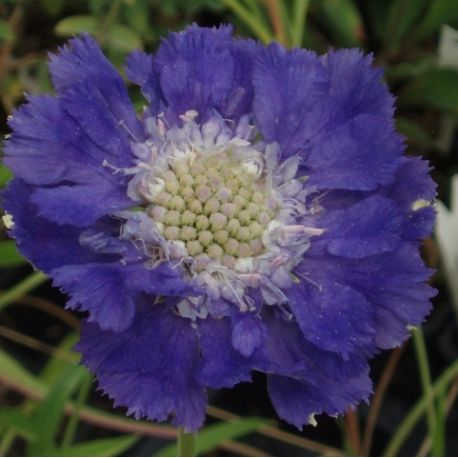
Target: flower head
259,215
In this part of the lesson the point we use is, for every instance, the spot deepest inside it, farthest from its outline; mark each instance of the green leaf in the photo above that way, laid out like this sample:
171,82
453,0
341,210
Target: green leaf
122,38
5,31
51,409
100,447
407,70
5,175
437,88
440,12
15,372
212,436
76,24
341,19
10,256
50,412
414,132
54,366
402,16
20,422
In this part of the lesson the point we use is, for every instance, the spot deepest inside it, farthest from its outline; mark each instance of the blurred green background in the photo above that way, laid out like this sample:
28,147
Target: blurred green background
49,406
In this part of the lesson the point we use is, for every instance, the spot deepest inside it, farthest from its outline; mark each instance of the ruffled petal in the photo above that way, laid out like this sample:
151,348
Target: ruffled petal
359,155
222,366
99,289
45,244
248,333
205,69
288,85
370,227
413,190
392,282
80,205
333,316
82,63
150,368
140,70
47,146
109,292
300,99
297,402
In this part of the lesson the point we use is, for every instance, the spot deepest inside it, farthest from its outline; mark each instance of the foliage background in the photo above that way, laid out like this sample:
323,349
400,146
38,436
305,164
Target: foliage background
49,405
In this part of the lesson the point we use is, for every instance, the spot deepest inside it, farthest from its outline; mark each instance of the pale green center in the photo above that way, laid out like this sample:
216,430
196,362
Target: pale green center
214,205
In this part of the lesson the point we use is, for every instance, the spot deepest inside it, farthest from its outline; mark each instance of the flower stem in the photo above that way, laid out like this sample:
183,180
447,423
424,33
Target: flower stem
186,443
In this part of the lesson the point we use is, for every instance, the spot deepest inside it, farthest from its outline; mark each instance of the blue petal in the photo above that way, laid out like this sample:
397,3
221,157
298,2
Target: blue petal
248,333
80,205
99,289
298,401
358,155
371,226
413,183
82,63
45,244
333,316
300,99
222,366
93,112
204,69
47,146
288,85
393,283
150,368
140,70
109,292
287,352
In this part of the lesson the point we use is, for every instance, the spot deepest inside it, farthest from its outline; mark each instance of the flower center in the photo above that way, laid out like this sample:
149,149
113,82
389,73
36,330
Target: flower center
212,205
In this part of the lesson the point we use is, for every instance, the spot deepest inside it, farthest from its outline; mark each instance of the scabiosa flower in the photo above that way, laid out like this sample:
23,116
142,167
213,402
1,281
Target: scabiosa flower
258,216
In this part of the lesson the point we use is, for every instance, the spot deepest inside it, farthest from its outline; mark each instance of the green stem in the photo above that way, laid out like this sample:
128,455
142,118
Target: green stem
22,288
75,416
299,14
186,443
415,414
253,22
425,377
7,441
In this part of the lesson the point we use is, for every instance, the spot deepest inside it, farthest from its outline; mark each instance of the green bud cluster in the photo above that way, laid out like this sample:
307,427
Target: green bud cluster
214,206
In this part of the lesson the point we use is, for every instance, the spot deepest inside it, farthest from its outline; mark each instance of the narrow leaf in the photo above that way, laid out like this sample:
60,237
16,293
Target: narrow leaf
437,88
440,12
20,422
99,447
51,409
9,255
403,14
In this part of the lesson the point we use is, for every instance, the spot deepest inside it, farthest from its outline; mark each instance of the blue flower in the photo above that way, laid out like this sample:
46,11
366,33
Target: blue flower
258,216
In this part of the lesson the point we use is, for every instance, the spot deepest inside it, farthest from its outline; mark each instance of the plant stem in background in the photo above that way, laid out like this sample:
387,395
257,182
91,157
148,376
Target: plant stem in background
352,433
377,399
425,377
277,18
299,15
255,23
23,287
410,420
186,443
